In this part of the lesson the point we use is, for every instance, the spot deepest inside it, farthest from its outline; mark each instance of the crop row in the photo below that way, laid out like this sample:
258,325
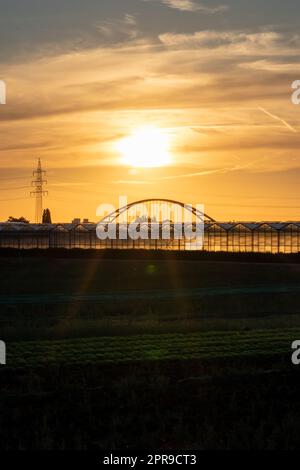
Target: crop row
148,347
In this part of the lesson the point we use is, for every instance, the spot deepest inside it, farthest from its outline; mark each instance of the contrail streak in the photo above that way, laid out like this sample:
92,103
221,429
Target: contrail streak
277,118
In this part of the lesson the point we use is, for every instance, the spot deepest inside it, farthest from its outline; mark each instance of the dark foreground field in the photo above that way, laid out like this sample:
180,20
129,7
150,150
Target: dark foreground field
149,352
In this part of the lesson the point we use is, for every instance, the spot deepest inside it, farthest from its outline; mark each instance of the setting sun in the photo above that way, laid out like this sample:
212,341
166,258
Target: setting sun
146,147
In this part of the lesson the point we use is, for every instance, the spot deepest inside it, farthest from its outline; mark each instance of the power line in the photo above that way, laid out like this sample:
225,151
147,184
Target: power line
14,199
12,178
14,187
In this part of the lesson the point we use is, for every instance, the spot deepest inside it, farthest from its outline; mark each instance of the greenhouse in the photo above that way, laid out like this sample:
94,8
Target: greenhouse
263,237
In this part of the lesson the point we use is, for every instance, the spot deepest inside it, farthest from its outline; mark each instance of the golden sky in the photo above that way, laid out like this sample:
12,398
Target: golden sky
214,80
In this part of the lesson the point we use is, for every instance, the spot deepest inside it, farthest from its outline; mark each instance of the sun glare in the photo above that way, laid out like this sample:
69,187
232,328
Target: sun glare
146,147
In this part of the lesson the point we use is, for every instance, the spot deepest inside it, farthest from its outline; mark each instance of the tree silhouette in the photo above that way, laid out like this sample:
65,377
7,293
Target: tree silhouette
47,216
18,219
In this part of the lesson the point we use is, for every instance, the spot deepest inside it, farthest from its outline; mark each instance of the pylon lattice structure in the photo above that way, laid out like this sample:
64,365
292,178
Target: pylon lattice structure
39,191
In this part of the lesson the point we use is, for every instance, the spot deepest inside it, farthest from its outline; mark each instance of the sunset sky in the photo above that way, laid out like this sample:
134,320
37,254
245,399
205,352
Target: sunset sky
213,78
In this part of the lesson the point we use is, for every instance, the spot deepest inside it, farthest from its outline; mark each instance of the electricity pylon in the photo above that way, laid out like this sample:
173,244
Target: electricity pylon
39,192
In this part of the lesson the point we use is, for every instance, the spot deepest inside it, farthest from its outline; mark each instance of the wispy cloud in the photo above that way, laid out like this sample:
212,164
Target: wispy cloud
127,27
135,182
197,173
237,41
175,177
192,6
209,99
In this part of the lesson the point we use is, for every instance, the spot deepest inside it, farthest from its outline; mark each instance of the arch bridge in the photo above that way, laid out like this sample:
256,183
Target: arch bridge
198,214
